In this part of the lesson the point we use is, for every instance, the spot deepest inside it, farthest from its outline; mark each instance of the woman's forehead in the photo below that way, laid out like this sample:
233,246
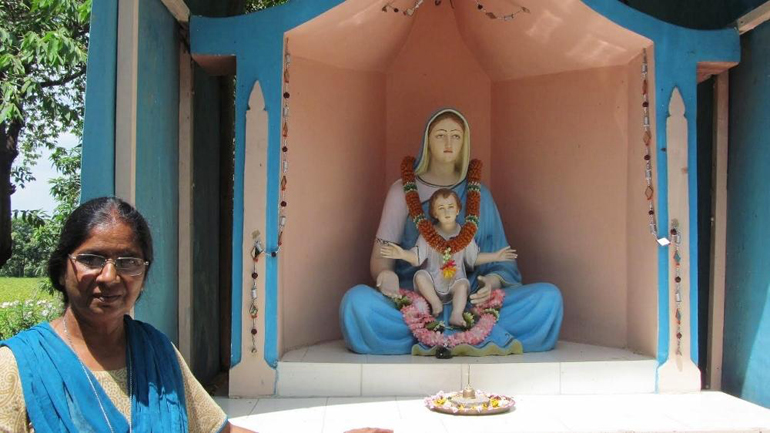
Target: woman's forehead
112,235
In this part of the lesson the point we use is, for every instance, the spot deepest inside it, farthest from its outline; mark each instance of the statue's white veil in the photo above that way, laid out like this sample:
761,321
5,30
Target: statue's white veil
423,158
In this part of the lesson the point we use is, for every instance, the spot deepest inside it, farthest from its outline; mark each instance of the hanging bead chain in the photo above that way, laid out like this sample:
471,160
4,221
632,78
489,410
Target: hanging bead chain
494,16
284,149
491,15
676,239
649,192
256,250
408,12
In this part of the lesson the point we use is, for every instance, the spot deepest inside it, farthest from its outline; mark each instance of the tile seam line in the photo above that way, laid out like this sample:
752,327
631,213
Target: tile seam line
323,420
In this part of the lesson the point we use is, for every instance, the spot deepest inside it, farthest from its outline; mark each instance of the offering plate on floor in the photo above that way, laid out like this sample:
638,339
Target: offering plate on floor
469,402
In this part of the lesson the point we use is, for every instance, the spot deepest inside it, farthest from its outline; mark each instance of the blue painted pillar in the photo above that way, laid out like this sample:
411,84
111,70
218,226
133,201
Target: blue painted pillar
98,163
746,359
157,160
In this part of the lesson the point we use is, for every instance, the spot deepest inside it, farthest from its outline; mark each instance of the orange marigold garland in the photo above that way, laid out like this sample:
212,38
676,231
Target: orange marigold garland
472,205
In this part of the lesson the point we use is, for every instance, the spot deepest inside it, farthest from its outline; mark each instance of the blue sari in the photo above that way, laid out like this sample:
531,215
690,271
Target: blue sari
59,397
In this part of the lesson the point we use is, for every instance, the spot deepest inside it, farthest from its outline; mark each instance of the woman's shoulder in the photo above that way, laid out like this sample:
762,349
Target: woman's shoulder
13,411
148,330
28,335
146,327
7,359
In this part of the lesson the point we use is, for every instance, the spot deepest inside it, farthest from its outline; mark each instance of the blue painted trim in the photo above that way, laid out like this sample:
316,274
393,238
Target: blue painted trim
273,81
98,160
699,45
692,180
662,99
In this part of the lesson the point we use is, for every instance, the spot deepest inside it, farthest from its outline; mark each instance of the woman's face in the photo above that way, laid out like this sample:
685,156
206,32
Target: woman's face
445,140
104,294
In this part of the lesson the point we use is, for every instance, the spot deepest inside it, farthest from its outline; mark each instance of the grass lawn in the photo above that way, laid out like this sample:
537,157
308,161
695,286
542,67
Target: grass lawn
21,289
23,305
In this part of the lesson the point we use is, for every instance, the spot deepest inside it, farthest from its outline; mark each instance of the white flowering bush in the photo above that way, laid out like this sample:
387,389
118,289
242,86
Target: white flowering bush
16,316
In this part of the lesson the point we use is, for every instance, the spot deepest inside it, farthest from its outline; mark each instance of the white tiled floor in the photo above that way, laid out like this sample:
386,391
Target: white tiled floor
329,369
700,412
565,351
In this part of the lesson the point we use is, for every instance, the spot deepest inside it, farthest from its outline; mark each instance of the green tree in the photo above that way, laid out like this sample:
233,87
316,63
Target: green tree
29,257
65,190
43,51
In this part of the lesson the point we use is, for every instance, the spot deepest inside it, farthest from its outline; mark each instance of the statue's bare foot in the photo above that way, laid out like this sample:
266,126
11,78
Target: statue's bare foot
436,308
457,320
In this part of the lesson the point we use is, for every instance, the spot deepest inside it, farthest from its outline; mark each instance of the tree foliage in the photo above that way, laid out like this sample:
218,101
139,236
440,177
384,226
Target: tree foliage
43,52
29,257
43,56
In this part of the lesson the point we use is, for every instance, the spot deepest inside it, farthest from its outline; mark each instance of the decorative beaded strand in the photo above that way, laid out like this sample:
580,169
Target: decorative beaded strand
494,16
649,192
479,6
676,239
256,250
408,12
284,149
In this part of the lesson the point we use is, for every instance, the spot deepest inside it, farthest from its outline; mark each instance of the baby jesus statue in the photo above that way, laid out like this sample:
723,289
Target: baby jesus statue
442,277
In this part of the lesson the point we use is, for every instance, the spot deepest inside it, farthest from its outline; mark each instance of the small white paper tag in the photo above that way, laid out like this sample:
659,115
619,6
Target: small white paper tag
663,242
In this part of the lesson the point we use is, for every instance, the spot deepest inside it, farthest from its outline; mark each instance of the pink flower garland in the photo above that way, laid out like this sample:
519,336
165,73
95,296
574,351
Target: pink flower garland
417,316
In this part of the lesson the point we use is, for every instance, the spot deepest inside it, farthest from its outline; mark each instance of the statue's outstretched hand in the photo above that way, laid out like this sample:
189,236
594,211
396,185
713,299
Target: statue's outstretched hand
485,291
506,255
391,251
387,283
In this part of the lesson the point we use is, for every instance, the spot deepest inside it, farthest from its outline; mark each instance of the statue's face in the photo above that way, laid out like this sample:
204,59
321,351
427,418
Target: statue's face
445,140
445,209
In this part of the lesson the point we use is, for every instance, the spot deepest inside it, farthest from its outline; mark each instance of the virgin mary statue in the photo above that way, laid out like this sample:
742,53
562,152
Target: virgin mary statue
531,314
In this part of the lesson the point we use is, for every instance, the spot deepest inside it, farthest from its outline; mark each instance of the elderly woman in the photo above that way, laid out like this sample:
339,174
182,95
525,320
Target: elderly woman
531,314
96,369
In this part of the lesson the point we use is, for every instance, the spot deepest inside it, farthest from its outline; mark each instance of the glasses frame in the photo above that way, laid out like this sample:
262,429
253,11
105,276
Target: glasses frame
114,262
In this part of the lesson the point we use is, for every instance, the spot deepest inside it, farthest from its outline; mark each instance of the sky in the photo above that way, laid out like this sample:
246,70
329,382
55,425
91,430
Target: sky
37,194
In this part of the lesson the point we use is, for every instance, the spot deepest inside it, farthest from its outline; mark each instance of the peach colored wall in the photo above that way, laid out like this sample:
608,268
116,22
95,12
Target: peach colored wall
561,154
642,280
560,180
556,36
335,192
435,69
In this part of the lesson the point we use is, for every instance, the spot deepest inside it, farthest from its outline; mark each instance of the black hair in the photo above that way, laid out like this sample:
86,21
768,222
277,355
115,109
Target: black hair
78,228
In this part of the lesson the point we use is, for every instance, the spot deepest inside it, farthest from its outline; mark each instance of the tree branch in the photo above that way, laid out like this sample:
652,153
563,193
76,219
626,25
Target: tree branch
65,79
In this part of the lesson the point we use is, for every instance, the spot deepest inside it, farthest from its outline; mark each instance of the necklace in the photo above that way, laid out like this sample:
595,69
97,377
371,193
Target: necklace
457,243
90,382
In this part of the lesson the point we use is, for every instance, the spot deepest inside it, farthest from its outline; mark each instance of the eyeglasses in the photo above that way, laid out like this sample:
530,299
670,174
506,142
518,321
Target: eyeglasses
127,266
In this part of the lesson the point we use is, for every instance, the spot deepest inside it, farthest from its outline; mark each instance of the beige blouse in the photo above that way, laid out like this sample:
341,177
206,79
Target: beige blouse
203,414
